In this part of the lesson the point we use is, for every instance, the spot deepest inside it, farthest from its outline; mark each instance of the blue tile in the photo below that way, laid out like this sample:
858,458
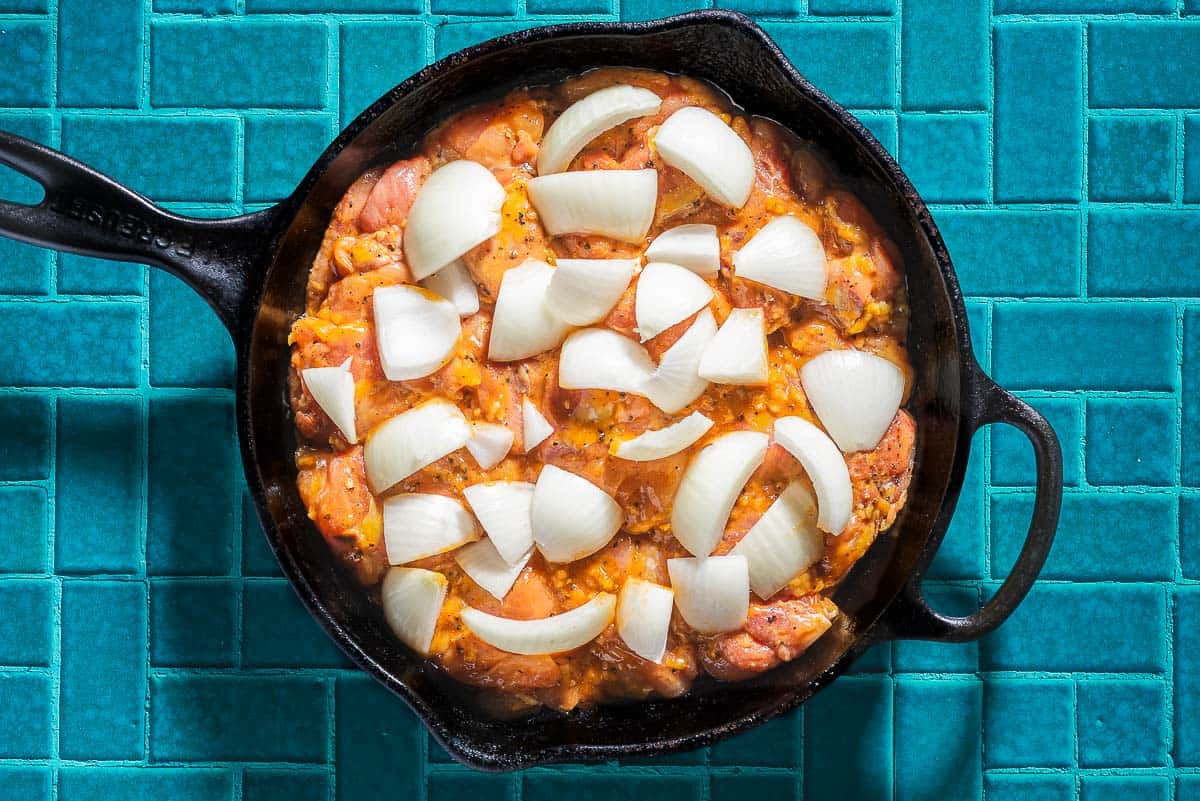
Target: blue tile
25,700
1084,6
777,787
775,744
18,783
237,717
942,721
569,6
765,8
1131,441
99,53
1191,159
206,7
279,64
1082,627
848,732
1187,676
191,500
1123,788
265,784
1190,448
1039,118
474,7
1012,456
1013,252
944,55
103,694
24,549
1187,787
99,467
946,156
27,622
257,559
25,448
475,786
1099,333
341,6
1189,535
194,157
1094,536
883,127
95,345
1132,64
1025,787
377,742
1122,723
26,268
279,150
851,7
1029,723
14,186
960,556
1116,266
556,786
176,784
80,275
25,79
454,36
918,656
1131,158
24,6
852,62
375,56
635,10
979,316
189,347
193,623
278,631
876,659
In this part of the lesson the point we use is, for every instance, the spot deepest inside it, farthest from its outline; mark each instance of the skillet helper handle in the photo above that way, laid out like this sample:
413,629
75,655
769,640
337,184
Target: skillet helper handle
910,616
88,213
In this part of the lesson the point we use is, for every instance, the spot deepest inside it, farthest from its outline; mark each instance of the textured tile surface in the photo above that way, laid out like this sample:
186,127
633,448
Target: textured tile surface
149,647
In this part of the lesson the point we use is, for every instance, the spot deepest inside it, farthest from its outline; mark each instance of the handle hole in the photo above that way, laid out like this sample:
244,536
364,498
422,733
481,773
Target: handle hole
961,554
16,187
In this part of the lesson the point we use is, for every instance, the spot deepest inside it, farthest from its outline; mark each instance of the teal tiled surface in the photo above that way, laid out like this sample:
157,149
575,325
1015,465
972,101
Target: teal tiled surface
148,646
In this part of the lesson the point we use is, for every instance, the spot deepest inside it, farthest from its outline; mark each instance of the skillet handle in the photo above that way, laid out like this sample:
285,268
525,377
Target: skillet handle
910,617
89,213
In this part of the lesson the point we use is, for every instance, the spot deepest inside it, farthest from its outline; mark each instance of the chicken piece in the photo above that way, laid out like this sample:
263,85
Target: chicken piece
343,223
862,289
500,136
392,197
351,299
520,238
360,254
773,633
503,385
334,489
320,343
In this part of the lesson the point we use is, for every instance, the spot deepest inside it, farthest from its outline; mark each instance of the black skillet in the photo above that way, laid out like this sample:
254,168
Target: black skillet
252,270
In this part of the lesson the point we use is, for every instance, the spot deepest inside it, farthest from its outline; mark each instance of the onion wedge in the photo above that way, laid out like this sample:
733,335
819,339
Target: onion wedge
644,617
412,600
613,203
667,294
489,443
487,568
333,390
713,594
710,486
586,119
694,246
825,466
784,254
534,426
504,509
411,440
416,331
457,208
738,353
676,381
700,144
784,542
664,442
549,635
417,525
856,394
572,517
454,283
598,358
583,291
522,325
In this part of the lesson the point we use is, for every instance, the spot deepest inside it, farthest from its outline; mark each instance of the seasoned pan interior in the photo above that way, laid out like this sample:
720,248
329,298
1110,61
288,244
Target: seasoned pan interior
738,61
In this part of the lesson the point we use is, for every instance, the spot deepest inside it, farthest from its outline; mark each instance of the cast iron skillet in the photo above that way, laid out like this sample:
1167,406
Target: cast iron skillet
252,270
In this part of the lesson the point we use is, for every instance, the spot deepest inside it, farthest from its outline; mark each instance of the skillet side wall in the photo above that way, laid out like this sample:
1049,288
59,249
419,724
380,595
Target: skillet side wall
738,61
